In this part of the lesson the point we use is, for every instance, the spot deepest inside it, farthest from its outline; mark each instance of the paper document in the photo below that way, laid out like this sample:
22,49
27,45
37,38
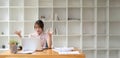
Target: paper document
26,52
65,50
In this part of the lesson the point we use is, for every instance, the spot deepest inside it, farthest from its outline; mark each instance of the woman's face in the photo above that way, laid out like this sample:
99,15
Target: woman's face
38,29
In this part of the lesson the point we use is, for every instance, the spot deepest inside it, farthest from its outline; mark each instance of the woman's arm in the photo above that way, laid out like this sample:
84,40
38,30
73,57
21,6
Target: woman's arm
49,40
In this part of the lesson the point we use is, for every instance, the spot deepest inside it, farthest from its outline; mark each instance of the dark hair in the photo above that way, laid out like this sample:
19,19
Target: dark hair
39,23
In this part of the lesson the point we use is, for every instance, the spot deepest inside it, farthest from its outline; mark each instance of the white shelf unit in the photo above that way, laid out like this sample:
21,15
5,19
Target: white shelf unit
4,3
16,14
90,25
4,14
102,54
30,14
14,3
30,3
4,30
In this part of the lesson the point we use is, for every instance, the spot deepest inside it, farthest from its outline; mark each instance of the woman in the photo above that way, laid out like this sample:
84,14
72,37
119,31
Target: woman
46,38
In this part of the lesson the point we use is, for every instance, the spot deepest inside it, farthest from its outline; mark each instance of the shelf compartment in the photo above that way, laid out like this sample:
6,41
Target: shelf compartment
60,12
4,30
88,3
4,41
74,41
89,53
114,3
48,27
59,41
16,26
4,14
30,14
102,14
31,3
114,28
16,14
73,13
88,42
45,3
102,3
74,28
28,28
16,2
114,54
59,3
88,14
102,54
88,28
59,28
74,3
4,2
114,42
114,14
102,42
102,28
47,12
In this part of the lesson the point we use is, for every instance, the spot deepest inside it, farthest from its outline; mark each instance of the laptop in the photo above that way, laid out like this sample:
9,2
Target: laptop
30,45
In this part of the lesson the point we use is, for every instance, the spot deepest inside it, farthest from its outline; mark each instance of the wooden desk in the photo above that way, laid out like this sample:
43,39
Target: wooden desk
49,53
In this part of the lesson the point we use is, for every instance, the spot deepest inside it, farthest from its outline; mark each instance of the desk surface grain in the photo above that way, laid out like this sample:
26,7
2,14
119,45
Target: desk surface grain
48,53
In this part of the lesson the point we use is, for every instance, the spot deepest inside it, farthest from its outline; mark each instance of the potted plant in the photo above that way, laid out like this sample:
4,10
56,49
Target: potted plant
13,46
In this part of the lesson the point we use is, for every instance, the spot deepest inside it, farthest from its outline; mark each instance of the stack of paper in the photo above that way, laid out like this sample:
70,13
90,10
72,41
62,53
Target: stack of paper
25,52
66,50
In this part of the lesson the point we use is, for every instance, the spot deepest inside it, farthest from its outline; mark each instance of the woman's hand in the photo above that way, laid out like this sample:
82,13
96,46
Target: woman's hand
50,32
18,33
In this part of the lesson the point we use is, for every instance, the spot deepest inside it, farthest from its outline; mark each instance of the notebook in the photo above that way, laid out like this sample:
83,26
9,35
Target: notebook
30,45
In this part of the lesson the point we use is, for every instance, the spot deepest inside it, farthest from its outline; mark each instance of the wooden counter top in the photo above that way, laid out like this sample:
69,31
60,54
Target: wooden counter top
48,53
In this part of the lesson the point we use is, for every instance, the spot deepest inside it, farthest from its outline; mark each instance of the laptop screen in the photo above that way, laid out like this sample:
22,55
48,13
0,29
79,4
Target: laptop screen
31,44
